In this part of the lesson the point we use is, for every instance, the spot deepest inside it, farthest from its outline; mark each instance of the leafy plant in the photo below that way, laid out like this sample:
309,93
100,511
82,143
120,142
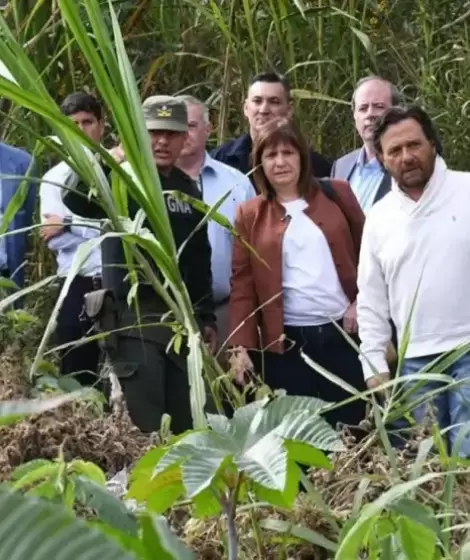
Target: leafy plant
35,529
252,455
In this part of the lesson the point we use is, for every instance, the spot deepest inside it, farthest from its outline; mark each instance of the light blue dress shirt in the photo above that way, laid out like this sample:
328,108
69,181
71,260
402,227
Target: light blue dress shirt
3,245
216,179
365,180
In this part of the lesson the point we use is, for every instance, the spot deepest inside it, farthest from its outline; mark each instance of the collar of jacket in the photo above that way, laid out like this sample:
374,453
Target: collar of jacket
310,199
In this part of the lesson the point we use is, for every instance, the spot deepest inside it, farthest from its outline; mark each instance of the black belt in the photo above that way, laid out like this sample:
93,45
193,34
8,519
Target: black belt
95,281
222,302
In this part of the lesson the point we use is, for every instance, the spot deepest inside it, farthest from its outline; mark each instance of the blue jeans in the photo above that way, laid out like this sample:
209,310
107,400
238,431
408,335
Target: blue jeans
452,406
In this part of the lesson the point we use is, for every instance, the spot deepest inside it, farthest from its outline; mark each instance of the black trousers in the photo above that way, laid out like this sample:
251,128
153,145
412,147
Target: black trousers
153,383
81,362
326,346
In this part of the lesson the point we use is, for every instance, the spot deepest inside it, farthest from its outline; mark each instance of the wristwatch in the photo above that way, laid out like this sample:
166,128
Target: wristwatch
68,220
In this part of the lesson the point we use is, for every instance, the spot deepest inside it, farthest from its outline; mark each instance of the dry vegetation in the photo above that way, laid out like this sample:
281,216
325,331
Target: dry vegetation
76,429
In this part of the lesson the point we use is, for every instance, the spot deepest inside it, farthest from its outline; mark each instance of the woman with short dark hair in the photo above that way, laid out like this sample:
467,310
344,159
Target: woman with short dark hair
286,297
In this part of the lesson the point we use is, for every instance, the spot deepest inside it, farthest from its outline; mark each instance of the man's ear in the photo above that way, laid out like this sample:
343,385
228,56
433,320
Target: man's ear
290,109
245,110
208,129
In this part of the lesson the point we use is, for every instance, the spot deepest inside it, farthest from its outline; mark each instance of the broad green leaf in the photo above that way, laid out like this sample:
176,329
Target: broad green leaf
128,542
26,468
219,423
145,466
109,509
195,443
205,504
46,490
89,470
418,513
417,540
275,410
36,530
307,455
158,491
12,411
200,469
160,542
265,462
160,500
314,431
242,419
36,475
286,498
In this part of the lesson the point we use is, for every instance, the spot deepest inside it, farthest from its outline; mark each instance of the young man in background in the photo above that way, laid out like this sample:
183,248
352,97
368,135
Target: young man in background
268,97
60,200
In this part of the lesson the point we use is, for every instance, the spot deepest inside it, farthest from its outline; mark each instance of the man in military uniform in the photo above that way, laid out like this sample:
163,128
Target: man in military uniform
154,379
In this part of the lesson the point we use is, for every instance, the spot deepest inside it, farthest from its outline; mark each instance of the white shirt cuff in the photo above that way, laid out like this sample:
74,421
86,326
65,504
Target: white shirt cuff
374,364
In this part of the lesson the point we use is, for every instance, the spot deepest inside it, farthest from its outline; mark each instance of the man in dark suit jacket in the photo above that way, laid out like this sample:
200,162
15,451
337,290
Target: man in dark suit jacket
268,97
369,181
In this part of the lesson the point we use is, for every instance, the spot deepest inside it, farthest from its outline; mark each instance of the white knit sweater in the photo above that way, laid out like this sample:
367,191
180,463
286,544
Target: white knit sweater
418,247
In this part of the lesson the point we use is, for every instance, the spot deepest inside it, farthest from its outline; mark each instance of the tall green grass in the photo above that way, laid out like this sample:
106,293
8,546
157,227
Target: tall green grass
212,49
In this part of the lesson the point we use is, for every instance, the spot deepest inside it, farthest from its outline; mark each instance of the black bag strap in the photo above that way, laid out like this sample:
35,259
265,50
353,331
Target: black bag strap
328,190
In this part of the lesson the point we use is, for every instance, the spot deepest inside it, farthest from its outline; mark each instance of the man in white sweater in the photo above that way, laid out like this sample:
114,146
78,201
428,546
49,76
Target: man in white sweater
416,241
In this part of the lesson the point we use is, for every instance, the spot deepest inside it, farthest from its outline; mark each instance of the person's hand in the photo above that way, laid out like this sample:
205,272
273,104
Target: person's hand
118,153
52,226
377,381
210,338
350,319
240,364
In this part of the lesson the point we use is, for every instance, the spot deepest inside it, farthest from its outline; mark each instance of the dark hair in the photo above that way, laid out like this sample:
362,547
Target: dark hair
395,115
271,134
272,78
81,101
395,96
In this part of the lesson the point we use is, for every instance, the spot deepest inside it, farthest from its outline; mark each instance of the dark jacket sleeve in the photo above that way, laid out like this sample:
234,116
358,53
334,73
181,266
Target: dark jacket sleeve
200,285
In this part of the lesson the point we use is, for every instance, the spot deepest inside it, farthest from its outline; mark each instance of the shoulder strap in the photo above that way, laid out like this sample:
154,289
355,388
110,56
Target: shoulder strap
328,189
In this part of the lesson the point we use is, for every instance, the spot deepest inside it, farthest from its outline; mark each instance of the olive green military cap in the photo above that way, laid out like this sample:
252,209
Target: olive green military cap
163,112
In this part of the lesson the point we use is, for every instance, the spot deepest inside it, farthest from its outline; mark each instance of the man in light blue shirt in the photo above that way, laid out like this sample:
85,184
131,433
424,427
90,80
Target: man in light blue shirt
366,179
215,179
370,182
